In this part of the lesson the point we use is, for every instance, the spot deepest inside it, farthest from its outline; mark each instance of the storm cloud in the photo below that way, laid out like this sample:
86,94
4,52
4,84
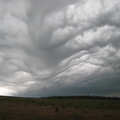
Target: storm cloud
59,47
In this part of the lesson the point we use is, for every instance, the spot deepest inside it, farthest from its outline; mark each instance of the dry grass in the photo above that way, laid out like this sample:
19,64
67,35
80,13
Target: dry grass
22,110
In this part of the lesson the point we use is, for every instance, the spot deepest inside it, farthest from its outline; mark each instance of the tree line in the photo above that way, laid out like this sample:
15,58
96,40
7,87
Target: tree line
83,97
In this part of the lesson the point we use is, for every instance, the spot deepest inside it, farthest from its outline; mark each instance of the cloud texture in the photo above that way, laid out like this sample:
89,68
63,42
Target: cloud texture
59,47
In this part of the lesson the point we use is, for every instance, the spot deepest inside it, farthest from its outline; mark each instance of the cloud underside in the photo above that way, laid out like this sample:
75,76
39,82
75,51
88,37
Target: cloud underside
54,47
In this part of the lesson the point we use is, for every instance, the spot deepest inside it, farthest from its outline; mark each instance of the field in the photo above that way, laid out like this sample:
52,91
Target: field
14,108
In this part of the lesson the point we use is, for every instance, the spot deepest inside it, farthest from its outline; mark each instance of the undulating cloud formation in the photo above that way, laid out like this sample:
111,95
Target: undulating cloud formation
59,47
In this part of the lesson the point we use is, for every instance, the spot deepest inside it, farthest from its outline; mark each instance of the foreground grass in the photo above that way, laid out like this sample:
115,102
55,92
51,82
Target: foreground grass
58,109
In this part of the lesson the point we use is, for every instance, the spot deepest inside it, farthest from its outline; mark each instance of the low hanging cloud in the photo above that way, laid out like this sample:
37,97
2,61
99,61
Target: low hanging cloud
52,47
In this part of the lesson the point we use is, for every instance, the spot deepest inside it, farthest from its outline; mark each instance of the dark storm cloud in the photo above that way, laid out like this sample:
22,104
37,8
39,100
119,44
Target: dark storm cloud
52,47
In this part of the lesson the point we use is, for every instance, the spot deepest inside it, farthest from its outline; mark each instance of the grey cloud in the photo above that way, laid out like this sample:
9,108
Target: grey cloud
89,88
52,47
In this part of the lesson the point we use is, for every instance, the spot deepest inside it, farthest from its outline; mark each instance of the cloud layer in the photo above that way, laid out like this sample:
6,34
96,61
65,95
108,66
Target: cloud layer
52,47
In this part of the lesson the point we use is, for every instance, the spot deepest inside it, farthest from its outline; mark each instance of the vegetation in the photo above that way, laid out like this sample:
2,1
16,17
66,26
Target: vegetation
60,108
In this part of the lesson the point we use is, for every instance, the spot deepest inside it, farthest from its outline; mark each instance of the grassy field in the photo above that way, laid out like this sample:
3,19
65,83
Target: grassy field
12,108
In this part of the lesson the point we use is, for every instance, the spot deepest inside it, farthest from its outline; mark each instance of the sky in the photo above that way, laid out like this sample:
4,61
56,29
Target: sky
59,47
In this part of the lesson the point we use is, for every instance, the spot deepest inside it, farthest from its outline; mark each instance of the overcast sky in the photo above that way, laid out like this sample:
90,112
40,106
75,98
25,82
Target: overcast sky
59,47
